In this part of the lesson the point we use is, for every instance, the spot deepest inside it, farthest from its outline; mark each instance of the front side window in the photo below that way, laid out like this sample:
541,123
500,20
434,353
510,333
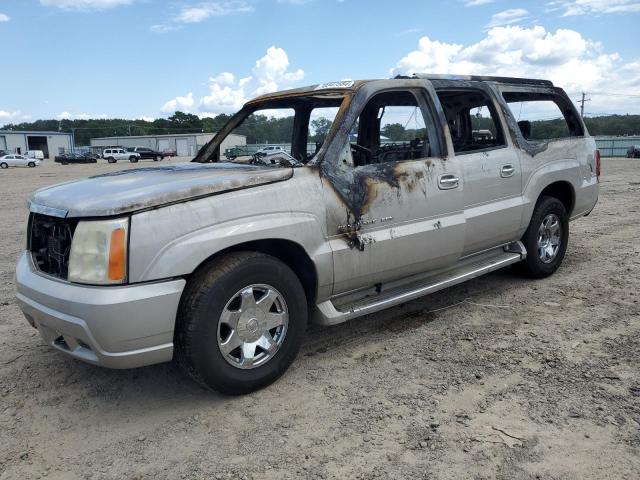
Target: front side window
473,120
391,128
543,116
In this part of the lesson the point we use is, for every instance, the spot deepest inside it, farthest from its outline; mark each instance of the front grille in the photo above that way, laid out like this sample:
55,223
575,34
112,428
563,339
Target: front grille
50,243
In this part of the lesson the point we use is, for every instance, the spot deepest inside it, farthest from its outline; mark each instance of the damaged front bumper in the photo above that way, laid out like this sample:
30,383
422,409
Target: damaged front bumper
116,327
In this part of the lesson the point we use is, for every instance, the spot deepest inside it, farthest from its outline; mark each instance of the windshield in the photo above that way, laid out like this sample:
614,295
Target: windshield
283,132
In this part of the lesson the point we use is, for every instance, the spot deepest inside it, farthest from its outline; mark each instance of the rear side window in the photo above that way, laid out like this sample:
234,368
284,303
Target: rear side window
543,116
473,121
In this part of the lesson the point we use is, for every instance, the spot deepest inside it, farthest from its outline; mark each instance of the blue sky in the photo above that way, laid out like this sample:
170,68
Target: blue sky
146,58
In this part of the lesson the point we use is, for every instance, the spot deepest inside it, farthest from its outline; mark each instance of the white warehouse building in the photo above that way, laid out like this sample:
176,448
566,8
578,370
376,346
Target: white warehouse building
185,144
51,143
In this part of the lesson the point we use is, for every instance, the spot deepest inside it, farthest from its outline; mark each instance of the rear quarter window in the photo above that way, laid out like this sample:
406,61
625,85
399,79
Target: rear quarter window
543,116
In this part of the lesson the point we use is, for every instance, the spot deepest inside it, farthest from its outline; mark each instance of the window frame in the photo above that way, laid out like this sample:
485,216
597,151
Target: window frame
494,109
427,108
555,95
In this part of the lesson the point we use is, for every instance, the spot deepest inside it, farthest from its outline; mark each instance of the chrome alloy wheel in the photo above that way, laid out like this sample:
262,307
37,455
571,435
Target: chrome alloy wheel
252,326
549,238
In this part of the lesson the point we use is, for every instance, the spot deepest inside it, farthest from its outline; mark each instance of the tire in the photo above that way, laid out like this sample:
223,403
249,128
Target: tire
199,328
157,158
133,159
31,164
111,160
543,259
4,165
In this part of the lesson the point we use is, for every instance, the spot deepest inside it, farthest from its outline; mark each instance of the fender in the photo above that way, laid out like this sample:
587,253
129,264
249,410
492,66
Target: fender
174,240
565,170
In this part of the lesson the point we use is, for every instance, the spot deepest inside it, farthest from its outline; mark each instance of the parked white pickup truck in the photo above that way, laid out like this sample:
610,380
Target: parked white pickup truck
220,265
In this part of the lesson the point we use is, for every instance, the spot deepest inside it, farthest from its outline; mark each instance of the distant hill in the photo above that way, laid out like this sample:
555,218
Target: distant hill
274,129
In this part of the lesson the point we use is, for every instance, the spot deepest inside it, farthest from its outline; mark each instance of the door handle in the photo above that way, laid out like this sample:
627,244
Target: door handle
507,171
448,181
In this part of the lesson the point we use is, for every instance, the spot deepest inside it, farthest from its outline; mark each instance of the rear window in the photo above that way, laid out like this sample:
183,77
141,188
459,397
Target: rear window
543,116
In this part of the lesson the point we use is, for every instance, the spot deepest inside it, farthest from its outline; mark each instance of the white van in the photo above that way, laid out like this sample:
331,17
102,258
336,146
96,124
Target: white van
36,154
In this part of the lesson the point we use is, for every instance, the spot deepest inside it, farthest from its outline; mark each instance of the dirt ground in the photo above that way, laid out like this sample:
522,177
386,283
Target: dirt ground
501,377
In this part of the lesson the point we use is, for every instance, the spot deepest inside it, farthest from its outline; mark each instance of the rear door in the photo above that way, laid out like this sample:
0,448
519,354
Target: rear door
491,167
394,199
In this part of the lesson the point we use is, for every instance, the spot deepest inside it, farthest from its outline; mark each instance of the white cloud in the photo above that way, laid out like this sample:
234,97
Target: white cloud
183,104
8,116
477,3
227,93
80,116
85,4
145,118
508,17
4,17
567,58
595,7
200,12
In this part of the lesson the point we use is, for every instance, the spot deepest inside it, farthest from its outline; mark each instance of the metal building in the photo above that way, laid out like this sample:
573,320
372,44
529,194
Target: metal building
615,146
51,143
185,144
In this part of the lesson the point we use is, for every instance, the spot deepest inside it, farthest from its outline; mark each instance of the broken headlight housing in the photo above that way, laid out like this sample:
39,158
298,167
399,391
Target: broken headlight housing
99,252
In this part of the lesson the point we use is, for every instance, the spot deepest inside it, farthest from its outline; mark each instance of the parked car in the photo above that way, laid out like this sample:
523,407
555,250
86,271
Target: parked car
169,152
146,152
221,266
634,152
75,157
269,149
36,154
15,160
112,155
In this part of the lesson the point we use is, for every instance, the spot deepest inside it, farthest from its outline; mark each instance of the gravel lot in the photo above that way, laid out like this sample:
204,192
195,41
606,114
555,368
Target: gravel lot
500,377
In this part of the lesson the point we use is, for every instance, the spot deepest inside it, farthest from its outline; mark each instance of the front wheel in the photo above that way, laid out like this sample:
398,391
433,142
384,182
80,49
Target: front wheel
241,322
31,164
546,238
133,159
158,158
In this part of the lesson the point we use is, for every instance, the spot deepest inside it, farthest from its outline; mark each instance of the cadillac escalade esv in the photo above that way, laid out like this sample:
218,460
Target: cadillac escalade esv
419,183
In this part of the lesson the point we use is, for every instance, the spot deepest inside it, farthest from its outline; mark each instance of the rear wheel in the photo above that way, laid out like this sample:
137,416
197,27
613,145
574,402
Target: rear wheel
240,323
111,160
4,165
546,238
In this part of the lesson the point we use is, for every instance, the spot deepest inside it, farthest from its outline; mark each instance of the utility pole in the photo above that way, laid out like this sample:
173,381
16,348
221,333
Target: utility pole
129,126
582,102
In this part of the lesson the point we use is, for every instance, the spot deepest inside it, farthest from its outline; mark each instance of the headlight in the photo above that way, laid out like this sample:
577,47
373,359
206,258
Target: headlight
99,252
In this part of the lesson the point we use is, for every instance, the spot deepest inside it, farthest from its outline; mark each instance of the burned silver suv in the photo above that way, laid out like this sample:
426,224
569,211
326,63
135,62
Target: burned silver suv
391,189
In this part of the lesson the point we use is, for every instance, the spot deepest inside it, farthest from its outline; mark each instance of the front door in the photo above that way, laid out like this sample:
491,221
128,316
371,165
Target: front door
394,202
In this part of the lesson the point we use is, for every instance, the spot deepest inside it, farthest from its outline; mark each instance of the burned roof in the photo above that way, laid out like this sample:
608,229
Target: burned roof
344,86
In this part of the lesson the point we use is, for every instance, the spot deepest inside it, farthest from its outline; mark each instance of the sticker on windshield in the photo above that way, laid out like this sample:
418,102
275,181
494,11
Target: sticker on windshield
340,84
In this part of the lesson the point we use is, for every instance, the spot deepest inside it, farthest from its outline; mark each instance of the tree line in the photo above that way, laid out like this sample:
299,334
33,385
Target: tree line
263,129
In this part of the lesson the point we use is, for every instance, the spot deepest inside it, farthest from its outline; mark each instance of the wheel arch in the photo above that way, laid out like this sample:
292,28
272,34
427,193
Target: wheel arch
288,252
563,191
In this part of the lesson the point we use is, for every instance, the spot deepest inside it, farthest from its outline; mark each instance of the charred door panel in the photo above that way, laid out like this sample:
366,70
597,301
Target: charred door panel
390,211
407,224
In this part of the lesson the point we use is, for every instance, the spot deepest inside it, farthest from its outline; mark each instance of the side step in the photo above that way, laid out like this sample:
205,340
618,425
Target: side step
328,314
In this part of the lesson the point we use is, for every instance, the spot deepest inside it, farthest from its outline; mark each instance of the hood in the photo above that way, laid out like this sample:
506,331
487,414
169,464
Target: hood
141,188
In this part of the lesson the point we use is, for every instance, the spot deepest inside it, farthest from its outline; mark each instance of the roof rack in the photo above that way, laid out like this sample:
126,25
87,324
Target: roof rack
479,78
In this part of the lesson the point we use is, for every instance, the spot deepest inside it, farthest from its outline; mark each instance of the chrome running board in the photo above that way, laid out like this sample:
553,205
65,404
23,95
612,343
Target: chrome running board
327,313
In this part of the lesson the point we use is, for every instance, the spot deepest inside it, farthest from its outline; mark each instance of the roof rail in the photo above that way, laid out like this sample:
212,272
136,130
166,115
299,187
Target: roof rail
479,78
